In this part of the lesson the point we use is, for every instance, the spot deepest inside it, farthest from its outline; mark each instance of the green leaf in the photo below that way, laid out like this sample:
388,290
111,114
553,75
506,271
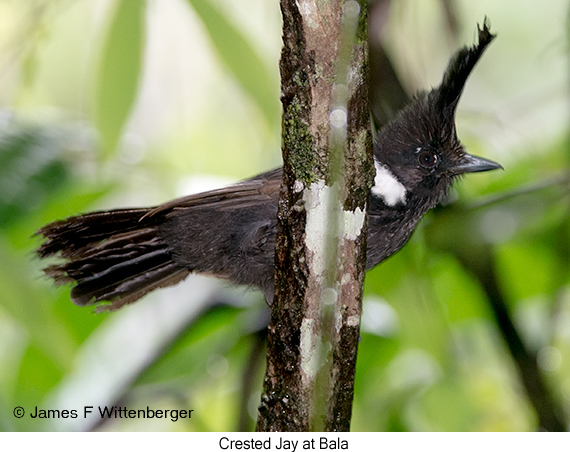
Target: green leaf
119,71
241,60
458,290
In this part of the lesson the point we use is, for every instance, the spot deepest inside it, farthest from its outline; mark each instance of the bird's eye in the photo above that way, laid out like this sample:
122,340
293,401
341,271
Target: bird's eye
427,159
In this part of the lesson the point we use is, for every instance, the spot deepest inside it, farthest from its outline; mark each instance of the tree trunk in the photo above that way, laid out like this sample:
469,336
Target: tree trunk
322,223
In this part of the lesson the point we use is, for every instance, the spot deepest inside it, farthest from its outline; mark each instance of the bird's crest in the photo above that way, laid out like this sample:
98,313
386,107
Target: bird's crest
458,70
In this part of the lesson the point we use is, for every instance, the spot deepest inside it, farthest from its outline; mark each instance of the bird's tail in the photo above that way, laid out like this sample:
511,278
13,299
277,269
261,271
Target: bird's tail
116,256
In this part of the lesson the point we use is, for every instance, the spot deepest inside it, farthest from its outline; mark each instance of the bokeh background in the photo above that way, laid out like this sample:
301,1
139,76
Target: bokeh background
108,103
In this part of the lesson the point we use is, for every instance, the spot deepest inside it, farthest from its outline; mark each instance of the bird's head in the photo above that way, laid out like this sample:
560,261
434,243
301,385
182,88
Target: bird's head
418,155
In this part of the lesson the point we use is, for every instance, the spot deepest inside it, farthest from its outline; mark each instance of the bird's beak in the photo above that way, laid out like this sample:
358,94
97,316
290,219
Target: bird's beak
472,164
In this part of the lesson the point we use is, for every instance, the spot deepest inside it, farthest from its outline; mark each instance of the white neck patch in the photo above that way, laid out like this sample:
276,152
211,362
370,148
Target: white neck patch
386,186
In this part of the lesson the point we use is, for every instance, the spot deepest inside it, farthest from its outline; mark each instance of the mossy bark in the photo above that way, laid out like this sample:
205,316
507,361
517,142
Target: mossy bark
315,319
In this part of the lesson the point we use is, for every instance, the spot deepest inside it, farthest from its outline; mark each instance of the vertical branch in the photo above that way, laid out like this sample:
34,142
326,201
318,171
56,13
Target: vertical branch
321,241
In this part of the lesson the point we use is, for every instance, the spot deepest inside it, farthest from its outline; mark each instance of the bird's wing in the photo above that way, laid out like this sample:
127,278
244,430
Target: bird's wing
262,188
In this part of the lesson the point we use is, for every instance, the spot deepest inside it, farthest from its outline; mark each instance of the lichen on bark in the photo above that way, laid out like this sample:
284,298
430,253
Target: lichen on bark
321,239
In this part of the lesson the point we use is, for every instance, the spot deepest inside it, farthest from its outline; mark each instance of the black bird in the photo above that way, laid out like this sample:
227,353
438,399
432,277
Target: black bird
120,255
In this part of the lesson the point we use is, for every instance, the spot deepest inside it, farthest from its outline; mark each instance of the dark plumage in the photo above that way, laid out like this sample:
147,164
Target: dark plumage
120,255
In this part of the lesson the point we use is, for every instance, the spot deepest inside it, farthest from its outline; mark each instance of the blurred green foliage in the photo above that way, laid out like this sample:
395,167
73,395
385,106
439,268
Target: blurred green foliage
173,92
120,71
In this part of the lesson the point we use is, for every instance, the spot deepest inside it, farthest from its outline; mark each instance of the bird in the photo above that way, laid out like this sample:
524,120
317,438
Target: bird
115,257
